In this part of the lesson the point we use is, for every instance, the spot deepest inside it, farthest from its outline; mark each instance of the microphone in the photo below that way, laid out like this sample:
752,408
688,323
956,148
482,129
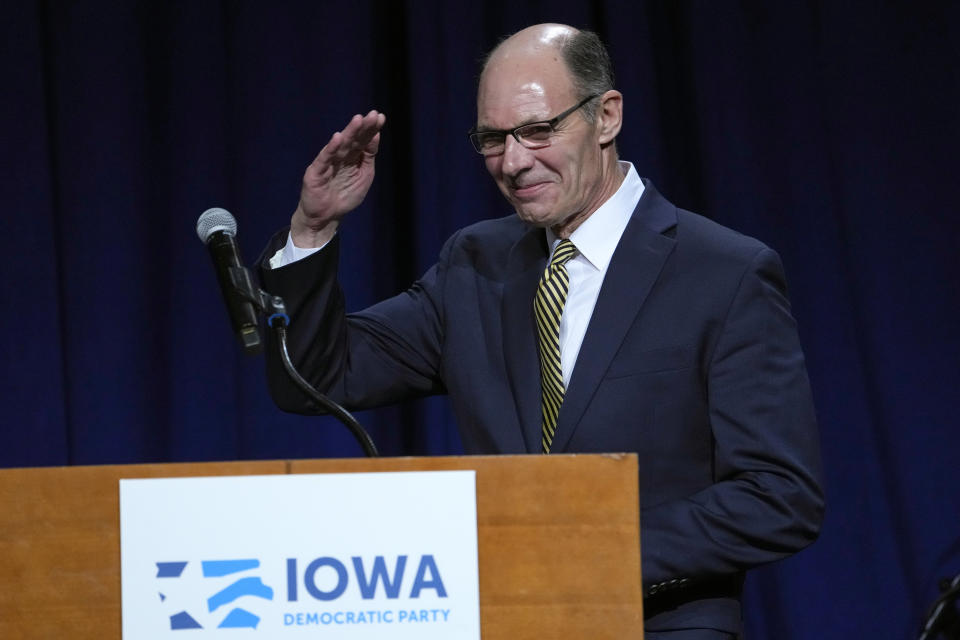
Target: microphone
218,229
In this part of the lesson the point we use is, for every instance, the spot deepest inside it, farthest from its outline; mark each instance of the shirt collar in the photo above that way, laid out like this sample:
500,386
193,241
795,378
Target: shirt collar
597,237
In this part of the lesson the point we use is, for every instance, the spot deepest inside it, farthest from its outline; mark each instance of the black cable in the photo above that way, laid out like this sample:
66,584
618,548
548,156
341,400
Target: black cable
943,620
341,414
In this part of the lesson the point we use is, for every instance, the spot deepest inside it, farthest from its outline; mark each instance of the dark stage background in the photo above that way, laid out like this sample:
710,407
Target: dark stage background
827,129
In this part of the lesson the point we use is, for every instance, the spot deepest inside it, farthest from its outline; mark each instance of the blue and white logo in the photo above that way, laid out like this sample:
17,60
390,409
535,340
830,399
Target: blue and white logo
227,586
355,556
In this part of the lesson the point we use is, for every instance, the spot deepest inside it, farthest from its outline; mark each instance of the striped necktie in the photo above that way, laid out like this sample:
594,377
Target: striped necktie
547,308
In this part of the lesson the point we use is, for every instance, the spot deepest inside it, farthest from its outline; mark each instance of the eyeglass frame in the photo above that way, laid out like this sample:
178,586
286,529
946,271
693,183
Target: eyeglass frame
552,122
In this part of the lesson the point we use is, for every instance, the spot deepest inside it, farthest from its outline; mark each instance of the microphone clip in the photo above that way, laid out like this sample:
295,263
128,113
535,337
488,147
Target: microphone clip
265,303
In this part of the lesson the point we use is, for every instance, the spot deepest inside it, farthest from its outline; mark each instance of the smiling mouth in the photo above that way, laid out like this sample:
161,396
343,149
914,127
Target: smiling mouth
530,190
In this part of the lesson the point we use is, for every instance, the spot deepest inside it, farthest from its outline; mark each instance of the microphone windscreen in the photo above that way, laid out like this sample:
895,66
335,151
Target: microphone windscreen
213,220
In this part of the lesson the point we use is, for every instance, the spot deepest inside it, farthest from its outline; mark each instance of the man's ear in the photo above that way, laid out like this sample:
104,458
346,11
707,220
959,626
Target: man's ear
609,116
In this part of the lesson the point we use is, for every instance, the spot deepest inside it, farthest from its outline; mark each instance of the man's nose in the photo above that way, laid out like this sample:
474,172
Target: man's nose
516,157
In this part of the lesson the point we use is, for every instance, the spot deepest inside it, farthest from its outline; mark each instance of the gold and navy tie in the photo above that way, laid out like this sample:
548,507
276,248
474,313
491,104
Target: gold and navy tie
547,308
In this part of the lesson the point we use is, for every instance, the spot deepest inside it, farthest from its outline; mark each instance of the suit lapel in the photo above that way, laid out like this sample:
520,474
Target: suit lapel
632,272
527,261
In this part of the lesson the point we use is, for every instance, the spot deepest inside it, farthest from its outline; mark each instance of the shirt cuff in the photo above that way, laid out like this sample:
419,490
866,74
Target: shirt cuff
291,253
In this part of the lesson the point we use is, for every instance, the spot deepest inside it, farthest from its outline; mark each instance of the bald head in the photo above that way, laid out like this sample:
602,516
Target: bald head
580,55
533,40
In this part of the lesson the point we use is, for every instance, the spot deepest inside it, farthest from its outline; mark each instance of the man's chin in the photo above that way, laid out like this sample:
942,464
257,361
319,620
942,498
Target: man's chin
535,216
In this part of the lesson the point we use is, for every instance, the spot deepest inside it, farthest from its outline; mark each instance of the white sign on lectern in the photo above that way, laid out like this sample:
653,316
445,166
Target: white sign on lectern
351,556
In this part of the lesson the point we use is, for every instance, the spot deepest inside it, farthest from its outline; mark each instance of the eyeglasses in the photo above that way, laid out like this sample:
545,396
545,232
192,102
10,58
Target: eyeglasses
533,135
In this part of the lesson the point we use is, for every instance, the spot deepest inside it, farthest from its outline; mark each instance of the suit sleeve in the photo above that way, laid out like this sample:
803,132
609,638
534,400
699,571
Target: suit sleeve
386,353
766,501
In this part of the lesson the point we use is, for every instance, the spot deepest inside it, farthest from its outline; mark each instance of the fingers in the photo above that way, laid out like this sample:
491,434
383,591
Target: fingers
360,134
361,129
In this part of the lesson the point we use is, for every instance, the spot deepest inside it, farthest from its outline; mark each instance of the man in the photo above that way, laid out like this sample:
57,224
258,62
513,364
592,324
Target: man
655,331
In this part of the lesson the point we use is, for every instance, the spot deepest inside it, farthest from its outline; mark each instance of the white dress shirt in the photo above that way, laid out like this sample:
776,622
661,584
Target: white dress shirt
596,239
291,253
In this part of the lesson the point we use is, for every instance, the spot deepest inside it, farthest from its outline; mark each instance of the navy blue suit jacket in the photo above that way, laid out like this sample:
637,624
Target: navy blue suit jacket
691,360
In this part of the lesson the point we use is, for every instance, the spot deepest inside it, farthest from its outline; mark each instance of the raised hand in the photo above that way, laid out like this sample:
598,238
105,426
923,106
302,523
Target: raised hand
337,180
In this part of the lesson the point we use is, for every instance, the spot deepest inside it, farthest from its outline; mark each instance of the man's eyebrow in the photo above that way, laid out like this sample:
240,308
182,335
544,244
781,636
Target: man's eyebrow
532,121
485,129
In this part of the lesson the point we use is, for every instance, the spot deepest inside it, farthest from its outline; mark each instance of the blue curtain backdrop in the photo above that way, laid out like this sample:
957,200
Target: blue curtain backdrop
827,129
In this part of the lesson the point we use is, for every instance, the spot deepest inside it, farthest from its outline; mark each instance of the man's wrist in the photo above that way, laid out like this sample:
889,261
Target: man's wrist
305,236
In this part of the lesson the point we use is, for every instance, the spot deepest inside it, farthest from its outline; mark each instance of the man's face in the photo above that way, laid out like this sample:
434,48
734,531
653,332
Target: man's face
546,186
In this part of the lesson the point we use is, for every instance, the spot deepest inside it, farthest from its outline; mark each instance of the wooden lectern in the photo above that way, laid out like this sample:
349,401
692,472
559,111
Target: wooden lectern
559,542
